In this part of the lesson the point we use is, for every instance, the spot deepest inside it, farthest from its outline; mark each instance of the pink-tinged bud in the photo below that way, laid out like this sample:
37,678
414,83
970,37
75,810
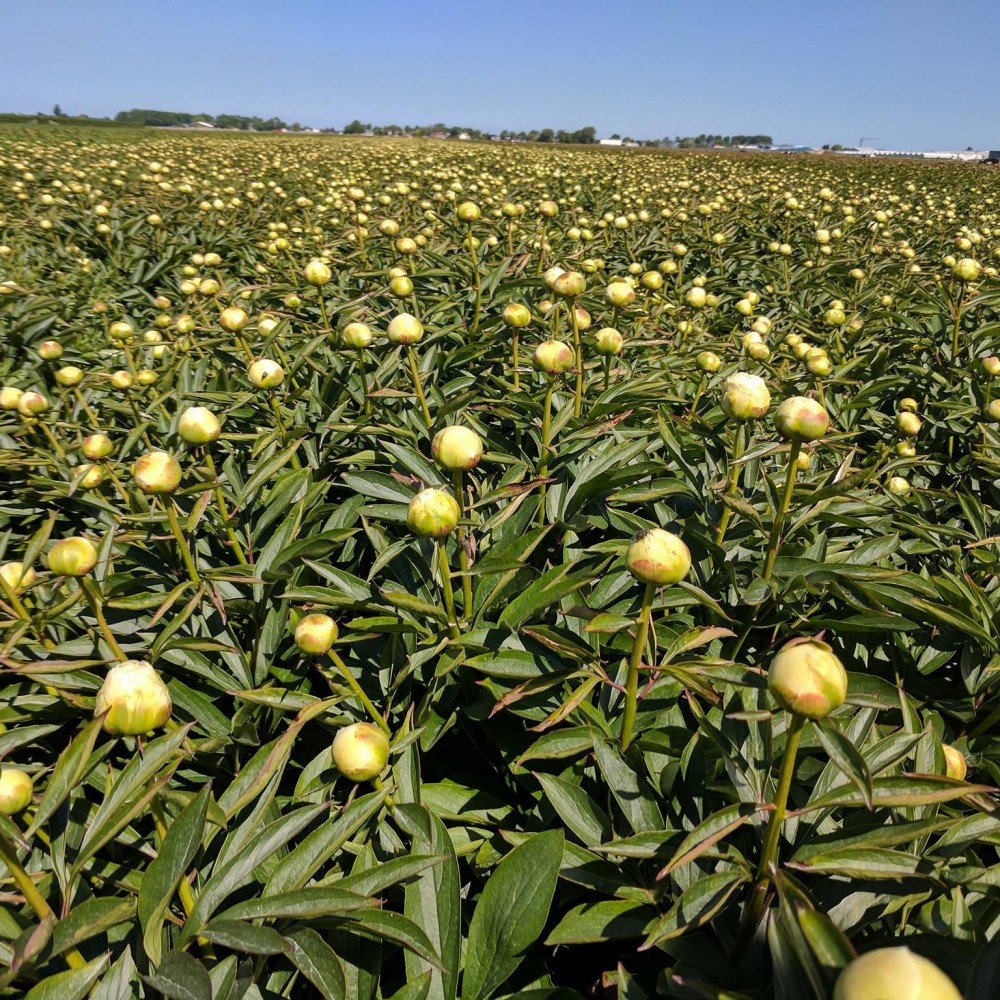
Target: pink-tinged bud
405,329
75,556
16,789
516,315
807,679
894,974
658,556
360,751
569,284
609,341
553,356
433,513
802,419
156,472
620,294
135,698
457,448
31,404
316,634
745,397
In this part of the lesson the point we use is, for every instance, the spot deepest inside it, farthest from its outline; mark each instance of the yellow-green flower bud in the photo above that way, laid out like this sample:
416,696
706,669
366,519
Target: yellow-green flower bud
135,699
16,576
156,472
457,448
316,634
658,556
16,788
405,329
199,425
360,751
807,679
745,397
954,760
433,513
800,418
265,374
553,356
894,974
75,556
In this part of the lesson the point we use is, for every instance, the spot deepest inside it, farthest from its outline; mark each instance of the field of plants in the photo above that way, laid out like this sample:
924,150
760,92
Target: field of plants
446,570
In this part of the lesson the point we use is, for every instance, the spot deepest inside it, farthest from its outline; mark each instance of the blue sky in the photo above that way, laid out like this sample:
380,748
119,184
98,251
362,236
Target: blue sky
914,73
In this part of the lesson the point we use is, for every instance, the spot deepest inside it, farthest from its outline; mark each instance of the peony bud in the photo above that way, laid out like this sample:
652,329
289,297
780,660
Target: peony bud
608,341
16,788
50,350
91,476
156,472
317,273
316,634
807,679
967,269
199,425
30,404
233,319
799,418
9,396
69,375
360,751
895,973
96,446
991,365
433,513
620,294
265,374
457,448
954,760
898,486
908,423
75,556
357,335
745,397
468,211
405,329
553,356
708,361
516,315
135,698
569,284
16,576
658,556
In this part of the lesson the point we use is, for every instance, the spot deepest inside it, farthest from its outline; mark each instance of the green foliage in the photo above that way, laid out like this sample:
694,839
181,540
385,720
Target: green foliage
521,841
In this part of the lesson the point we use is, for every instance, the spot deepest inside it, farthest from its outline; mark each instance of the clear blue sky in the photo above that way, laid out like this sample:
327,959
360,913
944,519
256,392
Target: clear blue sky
914,73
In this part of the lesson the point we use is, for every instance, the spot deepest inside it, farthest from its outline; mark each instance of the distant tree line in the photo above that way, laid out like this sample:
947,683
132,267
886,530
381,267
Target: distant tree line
707,141
144,116
583,136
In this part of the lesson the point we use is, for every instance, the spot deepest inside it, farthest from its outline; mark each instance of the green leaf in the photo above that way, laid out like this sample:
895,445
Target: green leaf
632,793
316,960
164,873
607,920
73,984
249,938
181,977
576,809
511,913
697,905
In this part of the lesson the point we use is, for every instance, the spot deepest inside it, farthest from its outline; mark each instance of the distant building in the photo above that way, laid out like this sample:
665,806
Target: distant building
464,136
610,142
203,125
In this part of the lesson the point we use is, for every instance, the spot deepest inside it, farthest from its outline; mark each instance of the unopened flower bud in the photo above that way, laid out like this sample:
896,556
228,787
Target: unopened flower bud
199,425
807,679
433,513
620,293
316,634
16,789
608,341
135,698
356,335
800,418
894,972
317,273
405,329
516,315
553,356
360,751
265,374
658,556
16,576
457,448
156,472
954,760
967,269
75,556
745,397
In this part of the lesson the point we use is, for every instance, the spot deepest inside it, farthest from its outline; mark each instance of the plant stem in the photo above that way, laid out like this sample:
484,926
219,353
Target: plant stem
514,362
359,693
543,458
607,371
779,517
463,552
364,381
94,600
8,855
478,280
415,372
632,680
735,470
322,311
957,330
575,324
769,851
449,594
220,500
182,542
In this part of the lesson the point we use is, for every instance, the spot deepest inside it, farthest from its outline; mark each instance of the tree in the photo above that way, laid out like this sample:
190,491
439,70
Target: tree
355,128
546,135
615,135
57,112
